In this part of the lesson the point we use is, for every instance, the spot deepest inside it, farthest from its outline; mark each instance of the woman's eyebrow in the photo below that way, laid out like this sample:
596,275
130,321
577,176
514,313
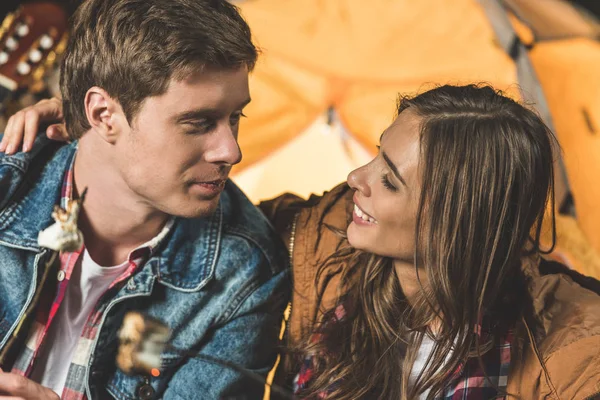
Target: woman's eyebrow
392,166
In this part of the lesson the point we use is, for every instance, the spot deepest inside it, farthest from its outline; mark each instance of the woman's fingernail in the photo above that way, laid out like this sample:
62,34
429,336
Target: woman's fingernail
9,149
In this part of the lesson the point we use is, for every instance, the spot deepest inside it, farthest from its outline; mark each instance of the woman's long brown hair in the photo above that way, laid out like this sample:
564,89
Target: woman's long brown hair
487,180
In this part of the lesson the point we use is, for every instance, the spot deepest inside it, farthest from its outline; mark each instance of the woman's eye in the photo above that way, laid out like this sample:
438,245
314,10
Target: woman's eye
387,184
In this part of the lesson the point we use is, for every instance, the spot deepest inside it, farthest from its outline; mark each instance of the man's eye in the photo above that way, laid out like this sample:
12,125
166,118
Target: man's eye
235,118
199,127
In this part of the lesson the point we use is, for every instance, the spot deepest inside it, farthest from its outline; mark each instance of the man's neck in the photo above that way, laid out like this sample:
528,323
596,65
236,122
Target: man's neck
113,220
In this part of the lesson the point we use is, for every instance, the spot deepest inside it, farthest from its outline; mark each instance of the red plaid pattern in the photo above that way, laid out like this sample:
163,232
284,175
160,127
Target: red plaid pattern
75,385
469,383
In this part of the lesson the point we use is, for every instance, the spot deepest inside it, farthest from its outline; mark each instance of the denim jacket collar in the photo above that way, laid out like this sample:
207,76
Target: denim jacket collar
185,261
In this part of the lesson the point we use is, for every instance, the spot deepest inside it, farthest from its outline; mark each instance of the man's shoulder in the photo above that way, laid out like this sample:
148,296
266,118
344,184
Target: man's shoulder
32,167
23,160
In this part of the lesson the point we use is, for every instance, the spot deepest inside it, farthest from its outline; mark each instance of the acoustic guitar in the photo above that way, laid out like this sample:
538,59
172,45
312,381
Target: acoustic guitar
31,38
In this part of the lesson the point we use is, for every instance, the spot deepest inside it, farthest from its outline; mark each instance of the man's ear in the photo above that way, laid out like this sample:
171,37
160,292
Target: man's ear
104,114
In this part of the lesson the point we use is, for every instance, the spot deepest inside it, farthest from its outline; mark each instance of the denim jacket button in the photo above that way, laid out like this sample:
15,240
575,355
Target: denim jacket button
61,275
145,392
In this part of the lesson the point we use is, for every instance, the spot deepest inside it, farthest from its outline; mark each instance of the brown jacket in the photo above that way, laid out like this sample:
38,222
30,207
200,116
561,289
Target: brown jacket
562,330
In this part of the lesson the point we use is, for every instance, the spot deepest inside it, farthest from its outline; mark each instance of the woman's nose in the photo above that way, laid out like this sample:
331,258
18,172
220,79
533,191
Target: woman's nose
357,180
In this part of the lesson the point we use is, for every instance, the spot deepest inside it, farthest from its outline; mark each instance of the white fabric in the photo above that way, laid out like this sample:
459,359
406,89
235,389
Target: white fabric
424,352
88,282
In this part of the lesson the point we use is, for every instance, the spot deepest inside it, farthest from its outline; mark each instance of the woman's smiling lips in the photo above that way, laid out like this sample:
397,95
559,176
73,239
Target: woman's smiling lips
360,217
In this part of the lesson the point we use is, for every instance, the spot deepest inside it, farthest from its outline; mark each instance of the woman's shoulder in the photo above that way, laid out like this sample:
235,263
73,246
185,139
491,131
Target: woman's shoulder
565,306
563,322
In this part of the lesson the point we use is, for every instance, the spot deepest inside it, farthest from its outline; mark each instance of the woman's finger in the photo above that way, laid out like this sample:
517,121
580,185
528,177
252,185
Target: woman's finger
23,126
57,132
14,131
32,123
4,141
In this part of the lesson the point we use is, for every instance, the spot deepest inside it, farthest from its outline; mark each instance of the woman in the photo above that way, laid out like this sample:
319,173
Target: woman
445,294
422,278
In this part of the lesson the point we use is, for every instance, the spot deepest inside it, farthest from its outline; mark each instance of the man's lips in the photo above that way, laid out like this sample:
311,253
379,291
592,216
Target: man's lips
208,188
216,182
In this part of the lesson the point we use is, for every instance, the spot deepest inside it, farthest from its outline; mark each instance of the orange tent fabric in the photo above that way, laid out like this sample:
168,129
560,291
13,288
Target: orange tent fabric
356,56
570,76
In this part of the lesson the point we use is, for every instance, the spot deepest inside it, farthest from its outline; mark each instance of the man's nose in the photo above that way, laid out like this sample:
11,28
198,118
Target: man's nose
225,148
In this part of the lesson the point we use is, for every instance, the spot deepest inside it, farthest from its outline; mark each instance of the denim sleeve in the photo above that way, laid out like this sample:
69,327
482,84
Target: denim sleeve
248,341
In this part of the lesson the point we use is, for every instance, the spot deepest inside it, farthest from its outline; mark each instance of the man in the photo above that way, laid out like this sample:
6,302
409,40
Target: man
153,93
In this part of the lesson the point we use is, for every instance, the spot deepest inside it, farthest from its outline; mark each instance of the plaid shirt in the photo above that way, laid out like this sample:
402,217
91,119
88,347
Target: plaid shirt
468,383
53,296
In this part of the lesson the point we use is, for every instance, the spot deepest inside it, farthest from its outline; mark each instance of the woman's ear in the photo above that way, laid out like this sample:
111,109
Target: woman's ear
103,114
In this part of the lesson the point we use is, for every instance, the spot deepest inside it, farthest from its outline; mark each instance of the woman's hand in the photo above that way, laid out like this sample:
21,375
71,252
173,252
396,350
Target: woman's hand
23,126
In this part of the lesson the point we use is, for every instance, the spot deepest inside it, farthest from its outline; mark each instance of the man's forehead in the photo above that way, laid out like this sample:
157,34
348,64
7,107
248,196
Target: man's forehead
209,74
215,90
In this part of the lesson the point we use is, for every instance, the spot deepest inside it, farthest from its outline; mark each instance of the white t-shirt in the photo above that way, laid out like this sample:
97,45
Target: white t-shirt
424,351
88,282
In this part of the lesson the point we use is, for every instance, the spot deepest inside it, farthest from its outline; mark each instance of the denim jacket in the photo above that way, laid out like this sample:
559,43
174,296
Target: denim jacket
220,283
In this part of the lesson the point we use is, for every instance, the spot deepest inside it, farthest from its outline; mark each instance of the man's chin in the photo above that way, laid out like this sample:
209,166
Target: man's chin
200,209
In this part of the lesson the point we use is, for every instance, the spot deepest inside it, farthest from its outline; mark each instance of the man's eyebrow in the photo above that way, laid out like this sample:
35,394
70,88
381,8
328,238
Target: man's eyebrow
195,115
203,113
393,168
